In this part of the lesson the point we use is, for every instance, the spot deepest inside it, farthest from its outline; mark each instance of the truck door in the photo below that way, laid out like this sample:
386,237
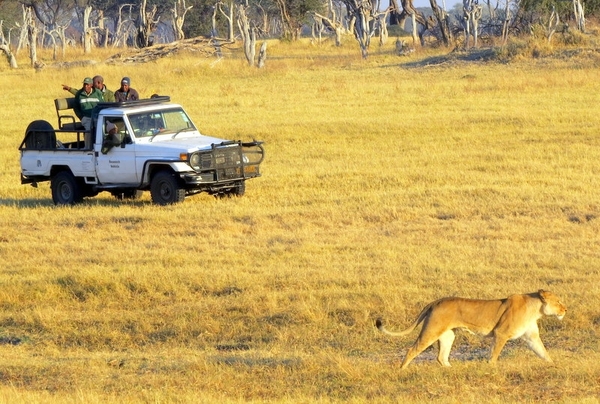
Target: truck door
115,163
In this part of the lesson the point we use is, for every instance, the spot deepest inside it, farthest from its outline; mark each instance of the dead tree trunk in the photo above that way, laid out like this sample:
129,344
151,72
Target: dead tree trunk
121,30
262,55
291,26
103,32
361,13
579,15
442,19
381,26
88,31
409,11
472,12
332,25
505,25
228,14
32,33
553,24
5,47
248,34
146,24
179,11
23,28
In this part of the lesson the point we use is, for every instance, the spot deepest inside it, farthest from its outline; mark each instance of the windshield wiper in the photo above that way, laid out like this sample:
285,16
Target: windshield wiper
183,130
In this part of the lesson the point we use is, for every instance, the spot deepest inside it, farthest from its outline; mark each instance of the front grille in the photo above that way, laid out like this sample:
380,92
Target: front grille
231,161
206,161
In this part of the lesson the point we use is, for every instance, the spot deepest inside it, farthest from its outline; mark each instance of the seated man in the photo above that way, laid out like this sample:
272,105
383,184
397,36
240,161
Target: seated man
111,139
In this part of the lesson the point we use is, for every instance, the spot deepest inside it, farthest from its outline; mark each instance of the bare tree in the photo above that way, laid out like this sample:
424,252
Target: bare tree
290,21
361,15
579,15
417,19
472,12
248,34
88,31
505,25
22,28
553,24
146,24
179,11
123,25
227,10
5,47
321,22
443,23
381,25
262,55
102,30
50,13
32,33
334,21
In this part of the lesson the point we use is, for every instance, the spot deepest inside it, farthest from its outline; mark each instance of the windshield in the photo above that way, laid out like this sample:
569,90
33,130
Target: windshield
159,122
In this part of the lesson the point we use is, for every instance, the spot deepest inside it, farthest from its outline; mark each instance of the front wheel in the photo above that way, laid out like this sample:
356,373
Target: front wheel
65,190
165,189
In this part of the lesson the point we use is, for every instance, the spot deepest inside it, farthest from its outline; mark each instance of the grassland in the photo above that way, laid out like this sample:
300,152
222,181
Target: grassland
387,183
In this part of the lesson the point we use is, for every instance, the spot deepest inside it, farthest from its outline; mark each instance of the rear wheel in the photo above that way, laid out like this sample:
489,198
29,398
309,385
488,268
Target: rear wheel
65,190
166,189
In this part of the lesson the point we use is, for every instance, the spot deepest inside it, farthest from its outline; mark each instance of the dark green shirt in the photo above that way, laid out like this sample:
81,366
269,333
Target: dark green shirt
86,102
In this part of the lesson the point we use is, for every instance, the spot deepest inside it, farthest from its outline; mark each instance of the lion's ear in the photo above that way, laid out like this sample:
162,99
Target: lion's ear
542,294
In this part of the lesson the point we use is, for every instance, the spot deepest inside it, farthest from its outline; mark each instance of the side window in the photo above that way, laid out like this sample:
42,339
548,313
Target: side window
114,134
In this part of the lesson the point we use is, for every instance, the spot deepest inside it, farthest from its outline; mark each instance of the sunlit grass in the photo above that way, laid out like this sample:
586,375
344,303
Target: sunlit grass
386,184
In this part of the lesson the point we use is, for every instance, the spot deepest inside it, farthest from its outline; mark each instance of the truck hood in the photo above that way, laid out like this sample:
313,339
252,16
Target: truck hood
182,143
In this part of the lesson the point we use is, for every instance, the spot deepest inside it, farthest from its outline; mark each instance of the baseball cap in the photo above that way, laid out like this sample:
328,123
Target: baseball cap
88,80
125,80
110,126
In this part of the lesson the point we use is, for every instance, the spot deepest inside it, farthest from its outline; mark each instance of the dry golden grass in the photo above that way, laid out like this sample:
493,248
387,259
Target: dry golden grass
387,184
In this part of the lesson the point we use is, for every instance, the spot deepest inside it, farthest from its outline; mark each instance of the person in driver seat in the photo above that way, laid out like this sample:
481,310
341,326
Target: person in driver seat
111,138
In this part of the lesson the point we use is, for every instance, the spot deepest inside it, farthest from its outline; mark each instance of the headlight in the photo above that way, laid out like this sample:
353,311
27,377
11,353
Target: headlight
200,161
195,161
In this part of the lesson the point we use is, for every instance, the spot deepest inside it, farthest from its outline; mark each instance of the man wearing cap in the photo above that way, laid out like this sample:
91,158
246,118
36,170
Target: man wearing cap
87,98
126,93
107,95
110,139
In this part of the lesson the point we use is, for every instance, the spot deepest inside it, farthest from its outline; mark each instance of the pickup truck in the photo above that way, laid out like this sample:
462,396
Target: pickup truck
135,146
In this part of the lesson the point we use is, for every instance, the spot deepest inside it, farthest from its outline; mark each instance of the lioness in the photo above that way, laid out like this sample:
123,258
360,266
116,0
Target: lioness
503,319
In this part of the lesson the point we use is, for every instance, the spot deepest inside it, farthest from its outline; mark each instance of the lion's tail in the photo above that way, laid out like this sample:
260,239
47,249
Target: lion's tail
418,320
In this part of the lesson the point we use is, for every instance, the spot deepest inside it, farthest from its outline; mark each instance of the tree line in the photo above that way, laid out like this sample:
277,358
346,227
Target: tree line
142,23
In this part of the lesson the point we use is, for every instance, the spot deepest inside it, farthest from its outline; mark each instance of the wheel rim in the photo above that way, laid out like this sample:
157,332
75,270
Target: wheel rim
65,191
166,193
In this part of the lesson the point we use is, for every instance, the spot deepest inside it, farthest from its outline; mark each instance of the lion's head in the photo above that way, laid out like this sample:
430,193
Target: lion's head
552,306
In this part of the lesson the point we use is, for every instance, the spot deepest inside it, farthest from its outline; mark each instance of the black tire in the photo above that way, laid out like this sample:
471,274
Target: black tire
65,190
166,189
40,135
130,194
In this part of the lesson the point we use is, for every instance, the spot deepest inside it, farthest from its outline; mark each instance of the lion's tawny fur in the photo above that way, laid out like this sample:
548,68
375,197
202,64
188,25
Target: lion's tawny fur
503,319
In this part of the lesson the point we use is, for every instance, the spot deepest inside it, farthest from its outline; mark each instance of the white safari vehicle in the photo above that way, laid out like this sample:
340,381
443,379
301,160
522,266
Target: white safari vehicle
134,146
